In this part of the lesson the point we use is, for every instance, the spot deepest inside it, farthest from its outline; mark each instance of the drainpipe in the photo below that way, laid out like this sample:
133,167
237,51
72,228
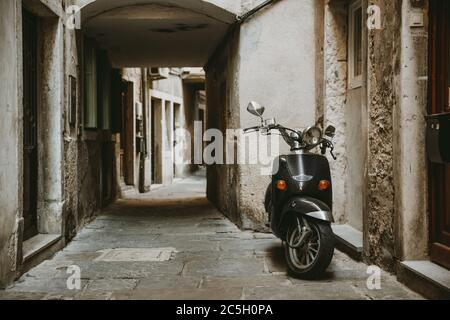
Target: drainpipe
242,18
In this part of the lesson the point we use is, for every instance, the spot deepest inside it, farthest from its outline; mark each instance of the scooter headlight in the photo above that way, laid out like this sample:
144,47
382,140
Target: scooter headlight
312,136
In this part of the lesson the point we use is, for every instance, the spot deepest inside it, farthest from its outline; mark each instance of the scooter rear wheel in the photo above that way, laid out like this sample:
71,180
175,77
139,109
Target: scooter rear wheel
312,259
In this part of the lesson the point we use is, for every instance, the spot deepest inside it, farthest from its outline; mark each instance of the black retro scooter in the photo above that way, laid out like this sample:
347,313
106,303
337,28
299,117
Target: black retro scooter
299,199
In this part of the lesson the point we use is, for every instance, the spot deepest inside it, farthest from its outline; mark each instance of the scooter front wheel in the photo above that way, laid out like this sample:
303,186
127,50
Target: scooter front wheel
312,258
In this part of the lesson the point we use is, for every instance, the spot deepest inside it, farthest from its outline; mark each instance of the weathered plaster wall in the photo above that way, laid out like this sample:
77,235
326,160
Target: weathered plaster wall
172,86
384,50
10,138
88,154
82,154
223,112
50,126
335,56
278,76
410,158
71,135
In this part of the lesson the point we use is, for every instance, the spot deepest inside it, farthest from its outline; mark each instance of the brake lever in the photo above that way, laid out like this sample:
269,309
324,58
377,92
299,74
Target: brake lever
332,154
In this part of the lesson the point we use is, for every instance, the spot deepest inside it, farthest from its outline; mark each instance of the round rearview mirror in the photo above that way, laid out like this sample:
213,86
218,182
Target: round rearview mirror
256,109
330,131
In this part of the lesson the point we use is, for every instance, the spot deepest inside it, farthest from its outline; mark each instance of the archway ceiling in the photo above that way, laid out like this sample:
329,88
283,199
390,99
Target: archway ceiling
155,35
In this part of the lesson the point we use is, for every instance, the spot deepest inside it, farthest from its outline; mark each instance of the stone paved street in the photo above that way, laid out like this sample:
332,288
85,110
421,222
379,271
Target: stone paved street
180,247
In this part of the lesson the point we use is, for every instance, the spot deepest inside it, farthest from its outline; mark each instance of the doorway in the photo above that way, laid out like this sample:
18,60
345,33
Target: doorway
127,134
30,122
176,139
354,115
157,147
439,174
168,143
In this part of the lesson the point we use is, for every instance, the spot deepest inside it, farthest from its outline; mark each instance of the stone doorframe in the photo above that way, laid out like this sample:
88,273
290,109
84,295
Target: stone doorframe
333,19
51,89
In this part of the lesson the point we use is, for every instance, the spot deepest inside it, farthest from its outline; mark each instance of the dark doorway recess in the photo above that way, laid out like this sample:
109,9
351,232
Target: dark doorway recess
30,122
127,135
439,174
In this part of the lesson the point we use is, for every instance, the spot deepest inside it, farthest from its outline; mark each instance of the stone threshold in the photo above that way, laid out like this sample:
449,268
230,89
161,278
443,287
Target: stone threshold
425,277
37,244
349,240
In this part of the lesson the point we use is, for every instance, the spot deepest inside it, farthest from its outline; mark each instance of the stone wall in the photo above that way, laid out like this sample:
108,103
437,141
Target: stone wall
70,159
384,50
391,115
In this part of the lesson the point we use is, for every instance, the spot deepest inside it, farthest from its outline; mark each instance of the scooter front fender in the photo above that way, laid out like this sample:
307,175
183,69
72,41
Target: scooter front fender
308,207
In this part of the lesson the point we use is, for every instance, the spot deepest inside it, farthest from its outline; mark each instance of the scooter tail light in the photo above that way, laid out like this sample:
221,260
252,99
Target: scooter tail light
281,185
324,185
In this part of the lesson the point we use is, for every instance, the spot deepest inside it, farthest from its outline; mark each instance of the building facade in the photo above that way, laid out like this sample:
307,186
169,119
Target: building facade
90,113
78,131
384,75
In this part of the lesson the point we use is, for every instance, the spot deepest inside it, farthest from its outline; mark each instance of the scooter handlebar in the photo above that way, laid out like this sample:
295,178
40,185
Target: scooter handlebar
252,129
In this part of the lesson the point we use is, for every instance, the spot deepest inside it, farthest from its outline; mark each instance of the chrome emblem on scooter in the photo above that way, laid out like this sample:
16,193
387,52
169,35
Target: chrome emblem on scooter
303,178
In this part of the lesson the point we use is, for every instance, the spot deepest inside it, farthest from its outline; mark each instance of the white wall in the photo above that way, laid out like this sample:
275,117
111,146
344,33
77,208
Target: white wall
276,67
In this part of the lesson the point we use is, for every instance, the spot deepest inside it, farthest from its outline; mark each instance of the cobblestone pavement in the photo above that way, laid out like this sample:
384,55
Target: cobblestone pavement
173,244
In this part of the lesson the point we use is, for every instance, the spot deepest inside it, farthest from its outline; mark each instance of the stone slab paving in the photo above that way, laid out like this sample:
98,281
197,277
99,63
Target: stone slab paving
213,259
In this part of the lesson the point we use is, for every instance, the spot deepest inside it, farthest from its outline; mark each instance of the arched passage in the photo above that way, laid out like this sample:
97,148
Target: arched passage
157,33
149,34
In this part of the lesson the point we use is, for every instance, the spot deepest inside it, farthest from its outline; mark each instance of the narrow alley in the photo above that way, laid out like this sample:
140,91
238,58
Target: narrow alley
164,149
173,244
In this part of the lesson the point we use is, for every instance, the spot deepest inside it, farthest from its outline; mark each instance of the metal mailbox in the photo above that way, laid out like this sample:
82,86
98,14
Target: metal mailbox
438,138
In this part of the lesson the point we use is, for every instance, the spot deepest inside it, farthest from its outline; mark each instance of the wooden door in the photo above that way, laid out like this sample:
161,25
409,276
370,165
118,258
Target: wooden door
30,97
439,174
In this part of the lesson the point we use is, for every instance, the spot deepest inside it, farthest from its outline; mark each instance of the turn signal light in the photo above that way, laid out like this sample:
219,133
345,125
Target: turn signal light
281,185
324,185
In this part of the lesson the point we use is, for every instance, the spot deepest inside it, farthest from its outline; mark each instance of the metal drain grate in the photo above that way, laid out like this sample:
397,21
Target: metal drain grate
137,255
